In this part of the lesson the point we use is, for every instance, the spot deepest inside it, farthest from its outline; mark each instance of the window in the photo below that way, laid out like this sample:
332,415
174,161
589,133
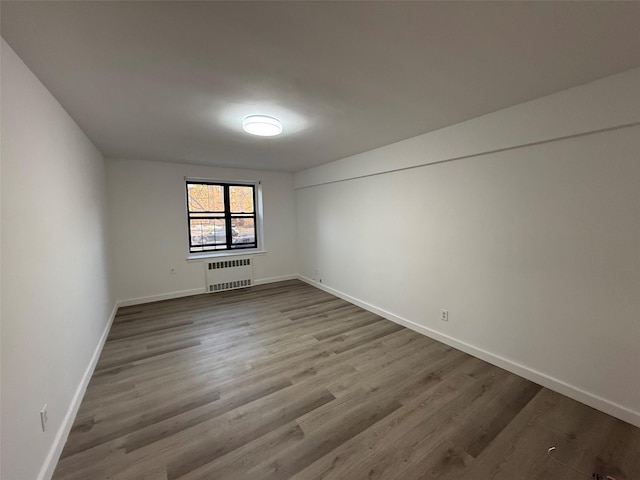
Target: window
222,216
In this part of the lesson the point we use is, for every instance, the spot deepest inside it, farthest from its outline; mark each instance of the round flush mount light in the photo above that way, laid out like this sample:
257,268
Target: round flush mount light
262,125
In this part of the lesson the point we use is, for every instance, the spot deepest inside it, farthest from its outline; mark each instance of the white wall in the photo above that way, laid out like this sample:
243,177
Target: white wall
534,250
56,302
149,228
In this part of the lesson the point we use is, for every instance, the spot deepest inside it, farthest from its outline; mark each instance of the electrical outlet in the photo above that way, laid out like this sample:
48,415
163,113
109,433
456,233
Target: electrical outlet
44,417
444,315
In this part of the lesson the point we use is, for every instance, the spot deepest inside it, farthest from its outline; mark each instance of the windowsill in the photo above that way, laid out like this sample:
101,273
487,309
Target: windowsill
194,257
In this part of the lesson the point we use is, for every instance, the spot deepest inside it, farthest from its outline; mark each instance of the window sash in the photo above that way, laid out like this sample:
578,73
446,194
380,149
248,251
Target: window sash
226,215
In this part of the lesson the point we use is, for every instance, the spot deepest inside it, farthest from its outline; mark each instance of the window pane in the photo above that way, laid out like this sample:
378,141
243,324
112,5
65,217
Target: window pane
205,198
243,233
241,199
208,232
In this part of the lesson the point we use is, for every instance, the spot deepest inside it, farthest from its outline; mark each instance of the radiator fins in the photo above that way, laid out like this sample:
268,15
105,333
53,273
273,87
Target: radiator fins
229,285
229,274
229,263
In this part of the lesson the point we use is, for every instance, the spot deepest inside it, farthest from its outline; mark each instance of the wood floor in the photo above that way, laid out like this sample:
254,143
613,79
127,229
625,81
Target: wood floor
285,381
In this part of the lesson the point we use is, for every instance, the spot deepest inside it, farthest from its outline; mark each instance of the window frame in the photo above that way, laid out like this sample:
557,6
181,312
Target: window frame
228,247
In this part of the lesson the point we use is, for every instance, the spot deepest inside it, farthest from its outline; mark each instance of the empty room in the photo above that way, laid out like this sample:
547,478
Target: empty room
337,240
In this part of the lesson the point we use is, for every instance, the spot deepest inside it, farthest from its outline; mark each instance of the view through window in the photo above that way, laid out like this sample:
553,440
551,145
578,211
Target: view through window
222,216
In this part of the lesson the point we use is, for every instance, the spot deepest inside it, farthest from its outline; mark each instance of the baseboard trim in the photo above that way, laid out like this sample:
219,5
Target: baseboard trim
49,465
194,291
281,278
611,408
162,296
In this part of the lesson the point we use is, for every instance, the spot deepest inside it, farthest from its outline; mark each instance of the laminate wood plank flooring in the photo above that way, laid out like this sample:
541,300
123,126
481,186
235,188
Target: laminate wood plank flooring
284,381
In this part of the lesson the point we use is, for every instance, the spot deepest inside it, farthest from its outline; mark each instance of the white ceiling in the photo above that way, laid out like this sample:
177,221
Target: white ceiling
171,81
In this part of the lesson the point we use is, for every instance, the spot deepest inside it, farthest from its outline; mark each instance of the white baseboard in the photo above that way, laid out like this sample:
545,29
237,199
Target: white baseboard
619,411
162,296
281,278
50,462
194,291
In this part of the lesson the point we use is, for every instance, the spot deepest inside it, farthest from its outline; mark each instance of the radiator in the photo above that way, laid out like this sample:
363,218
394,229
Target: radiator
229,274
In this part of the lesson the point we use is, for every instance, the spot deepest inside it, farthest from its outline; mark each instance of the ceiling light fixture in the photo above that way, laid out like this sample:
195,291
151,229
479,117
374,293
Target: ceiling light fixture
262,125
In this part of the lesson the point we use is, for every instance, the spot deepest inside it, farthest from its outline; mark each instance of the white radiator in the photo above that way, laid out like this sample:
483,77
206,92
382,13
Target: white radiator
229,274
